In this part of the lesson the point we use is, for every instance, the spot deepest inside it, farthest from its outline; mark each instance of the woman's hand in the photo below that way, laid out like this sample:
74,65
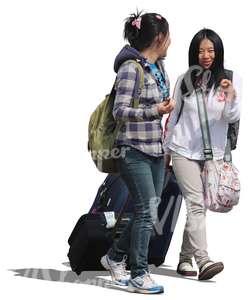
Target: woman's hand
228,89
166,106
167,159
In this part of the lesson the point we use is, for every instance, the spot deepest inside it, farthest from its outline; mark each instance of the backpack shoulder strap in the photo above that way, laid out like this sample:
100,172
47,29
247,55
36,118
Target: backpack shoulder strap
180,110
233,129
181,106
139,82
229,74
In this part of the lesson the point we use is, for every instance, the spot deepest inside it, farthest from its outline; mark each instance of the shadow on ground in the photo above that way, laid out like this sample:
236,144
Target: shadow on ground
91,277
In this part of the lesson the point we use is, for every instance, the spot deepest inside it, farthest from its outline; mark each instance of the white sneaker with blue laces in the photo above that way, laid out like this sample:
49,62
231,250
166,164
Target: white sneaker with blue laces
144,284
117,270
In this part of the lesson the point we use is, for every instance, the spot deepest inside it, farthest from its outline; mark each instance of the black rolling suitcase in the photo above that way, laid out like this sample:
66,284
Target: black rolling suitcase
90,239
111,196
168,212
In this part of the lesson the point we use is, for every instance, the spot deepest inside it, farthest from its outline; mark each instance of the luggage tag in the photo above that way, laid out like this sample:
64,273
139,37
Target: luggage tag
110,219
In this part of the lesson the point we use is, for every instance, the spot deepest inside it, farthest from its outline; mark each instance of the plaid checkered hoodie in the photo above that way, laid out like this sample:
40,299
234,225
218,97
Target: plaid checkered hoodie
142,128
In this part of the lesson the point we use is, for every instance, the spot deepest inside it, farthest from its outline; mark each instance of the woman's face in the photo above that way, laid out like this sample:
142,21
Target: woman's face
206,53
164,45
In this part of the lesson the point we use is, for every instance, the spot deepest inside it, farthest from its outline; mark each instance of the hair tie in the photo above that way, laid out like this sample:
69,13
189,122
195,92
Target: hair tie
158,17
137,22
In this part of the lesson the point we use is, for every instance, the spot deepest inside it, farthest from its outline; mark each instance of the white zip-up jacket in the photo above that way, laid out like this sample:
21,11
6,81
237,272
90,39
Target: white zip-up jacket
185,137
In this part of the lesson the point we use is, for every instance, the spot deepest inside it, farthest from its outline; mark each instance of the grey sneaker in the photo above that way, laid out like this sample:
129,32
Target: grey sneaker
144,284
117,269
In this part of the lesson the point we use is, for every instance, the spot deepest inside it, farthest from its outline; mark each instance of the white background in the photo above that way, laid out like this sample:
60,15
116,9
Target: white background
56,65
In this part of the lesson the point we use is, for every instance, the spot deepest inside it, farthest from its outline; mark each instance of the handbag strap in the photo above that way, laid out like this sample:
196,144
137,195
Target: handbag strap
202,110
228,155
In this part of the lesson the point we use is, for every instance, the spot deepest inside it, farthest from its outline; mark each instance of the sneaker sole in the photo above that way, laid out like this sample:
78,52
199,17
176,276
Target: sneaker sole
106,266
187,273
211,271
134,289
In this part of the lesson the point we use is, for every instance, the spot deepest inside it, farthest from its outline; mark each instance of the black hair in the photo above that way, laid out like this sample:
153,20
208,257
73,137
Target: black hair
152,24
217,72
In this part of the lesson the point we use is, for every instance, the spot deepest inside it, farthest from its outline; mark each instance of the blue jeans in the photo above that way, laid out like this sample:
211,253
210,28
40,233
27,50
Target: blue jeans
144,177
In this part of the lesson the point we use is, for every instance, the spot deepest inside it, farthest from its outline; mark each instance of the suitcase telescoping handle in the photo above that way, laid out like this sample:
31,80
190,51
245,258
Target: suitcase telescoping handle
118,221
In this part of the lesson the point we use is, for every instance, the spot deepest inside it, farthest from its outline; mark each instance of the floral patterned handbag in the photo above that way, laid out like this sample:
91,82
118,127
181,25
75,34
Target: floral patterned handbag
221,185
220,177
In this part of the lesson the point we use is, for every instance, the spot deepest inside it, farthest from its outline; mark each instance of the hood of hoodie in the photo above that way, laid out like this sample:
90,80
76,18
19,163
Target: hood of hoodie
127,53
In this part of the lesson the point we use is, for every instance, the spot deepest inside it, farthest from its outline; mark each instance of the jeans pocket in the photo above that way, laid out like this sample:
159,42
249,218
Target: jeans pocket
132,155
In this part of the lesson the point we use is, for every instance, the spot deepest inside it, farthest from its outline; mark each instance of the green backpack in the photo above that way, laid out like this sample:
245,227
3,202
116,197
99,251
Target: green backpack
103,129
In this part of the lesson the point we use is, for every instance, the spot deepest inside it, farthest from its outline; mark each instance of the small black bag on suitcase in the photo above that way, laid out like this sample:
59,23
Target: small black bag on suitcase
90,239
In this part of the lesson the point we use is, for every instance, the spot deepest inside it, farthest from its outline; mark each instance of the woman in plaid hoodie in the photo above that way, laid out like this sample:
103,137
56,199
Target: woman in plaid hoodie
142,167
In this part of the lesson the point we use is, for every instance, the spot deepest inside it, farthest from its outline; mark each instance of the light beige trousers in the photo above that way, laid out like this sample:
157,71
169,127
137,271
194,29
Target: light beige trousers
194,243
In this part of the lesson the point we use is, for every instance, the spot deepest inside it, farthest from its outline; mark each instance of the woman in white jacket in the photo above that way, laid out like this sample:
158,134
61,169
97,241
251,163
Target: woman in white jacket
183,141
